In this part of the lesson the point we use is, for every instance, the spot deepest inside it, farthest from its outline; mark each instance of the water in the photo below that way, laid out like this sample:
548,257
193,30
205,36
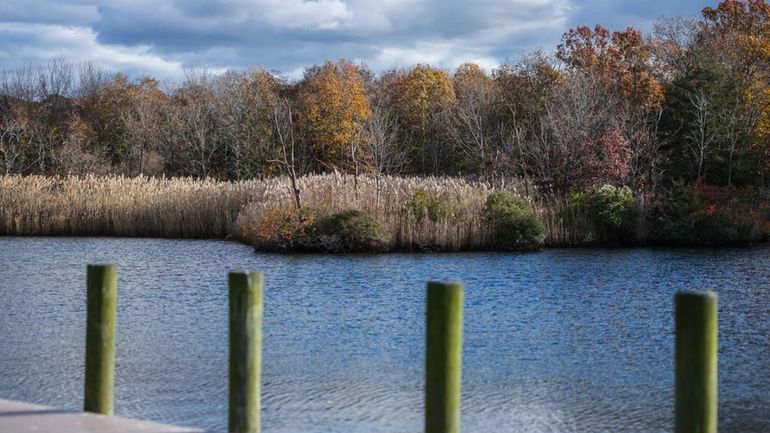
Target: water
557,341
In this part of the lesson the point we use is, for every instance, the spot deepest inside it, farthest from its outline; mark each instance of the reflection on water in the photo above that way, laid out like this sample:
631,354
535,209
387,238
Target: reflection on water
558,341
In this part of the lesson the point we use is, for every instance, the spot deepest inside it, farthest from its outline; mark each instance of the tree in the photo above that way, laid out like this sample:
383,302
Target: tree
624,61
144,126
523,89
334,108
199,120
381,137
737,34
77,155
622,58
422,95
283,130
585,144
703,131
472,122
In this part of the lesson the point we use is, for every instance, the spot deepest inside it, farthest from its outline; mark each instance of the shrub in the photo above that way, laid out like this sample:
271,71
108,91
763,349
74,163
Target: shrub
423,204
513,226
285,229
612,211
685,214
346,231
277,228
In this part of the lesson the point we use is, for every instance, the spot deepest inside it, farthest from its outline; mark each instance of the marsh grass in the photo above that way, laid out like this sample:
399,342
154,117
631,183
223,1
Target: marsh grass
205,208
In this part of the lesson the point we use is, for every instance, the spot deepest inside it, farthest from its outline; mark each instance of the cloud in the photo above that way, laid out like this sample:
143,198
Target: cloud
32,43
164,37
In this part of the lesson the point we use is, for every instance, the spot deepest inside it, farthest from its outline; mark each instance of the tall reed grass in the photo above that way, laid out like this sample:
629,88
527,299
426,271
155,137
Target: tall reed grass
192,208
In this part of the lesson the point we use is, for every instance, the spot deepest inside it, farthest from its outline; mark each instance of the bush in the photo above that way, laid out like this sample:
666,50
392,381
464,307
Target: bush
285,229
346,231
612,211
513,226
685,214
423,204
276,228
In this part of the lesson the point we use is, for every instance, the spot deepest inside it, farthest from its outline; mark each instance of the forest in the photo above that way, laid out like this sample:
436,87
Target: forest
661,137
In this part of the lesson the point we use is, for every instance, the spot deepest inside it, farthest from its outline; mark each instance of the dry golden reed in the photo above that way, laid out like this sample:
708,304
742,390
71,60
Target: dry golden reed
204,208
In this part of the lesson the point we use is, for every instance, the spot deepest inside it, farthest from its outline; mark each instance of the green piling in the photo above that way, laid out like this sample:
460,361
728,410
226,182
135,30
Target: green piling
102,293
443,359
245,295
696,363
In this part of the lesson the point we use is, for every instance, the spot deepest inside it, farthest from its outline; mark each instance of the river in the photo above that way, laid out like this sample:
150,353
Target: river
565,340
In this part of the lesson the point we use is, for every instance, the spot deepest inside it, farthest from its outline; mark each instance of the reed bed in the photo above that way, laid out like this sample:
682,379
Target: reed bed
122,206
461,228
205,208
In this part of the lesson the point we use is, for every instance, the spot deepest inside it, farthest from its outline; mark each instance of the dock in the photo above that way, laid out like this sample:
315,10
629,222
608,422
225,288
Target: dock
18,417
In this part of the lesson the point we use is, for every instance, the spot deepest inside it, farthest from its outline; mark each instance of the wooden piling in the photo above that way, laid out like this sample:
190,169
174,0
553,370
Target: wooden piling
102,291
696,363
245,297
443,360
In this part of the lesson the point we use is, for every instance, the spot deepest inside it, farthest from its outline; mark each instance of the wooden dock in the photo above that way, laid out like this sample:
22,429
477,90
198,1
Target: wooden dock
17,417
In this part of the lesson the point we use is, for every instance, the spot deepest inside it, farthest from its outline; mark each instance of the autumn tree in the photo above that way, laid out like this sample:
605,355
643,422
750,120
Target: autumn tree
422,95
585,145
77,154
103,109
623,61
144,124
334,109
737,35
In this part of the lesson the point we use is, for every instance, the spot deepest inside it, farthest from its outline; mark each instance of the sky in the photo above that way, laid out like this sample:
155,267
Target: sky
163,38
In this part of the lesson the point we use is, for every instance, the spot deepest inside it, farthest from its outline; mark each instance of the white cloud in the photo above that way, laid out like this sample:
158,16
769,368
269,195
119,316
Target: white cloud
162,37
31,43
441,54
300,14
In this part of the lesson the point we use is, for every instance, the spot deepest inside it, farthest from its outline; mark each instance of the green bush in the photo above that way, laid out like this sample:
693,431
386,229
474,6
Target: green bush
423,204
612,211
680,216
514,227
346,231
670,214
285,229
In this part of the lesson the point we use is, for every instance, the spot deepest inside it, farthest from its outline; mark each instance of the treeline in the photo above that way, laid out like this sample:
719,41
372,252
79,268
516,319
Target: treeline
689,101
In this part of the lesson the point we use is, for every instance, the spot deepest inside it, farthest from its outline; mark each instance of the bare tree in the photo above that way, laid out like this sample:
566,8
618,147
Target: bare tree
578,113
20,83
738,121
472,124
198,116
15,136
91,79
283,129
703,132
55,78
381,144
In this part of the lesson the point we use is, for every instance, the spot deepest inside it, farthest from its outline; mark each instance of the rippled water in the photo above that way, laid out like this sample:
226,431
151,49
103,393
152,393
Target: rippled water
557,341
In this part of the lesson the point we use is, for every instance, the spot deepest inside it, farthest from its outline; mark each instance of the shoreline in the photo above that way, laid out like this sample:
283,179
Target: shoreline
390,214
231,239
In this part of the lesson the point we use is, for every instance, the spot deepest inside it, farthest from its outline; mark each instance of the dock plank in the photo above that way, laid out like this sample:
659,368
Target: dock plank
18,417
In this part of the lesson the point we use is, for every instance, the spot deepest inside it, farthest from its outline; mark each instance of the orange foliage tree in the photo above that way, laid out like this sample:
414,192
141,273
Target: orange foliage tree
623,58
335,107
422,95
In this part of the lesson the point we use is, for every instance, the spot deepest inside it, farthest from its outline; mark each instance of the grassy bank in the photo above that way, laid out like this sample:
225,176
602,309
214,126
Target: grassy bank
339,214
411,213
